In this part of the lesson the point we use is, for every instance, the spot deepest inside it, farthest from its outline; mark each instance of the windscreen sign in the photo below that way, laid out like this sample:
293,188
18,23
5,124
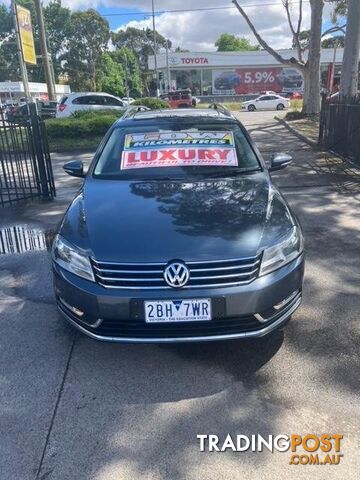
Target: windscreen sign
178,149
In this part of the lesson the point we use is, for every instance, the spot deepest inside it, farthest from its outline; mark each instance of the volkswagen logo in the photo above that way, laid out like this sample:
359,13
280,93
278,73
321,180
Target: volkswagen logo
176,274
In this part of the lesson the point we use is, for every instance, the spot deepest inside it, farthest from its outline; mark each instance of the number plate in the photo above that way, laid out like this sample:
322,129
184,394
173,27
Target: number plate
194,310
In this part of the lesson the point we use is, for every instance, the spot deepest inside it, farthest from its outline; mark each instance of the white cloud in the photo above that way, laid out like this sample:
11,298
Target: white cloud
197,31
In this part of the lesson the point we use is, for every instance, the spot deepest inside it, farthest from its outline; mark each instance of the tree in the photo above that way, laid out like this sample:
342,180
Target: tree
340,10
310,68
116,67
9,62
141,41
338,41
57,23
350,67
231,43
87,40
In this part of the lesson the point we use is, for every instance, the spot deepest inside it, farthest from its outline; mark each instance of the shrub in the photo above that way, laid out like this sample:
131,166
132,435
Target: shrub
85,126
296,104
151,102
296,115
89,114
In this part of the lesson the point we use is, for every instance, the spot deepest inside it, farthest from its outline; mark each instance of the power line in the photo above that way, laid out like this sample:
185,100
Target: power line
203,9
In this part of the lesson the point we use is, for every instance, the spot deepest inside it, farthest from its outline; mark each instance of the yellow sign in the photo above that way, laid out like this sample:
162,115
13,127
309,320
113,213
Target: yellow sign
26,35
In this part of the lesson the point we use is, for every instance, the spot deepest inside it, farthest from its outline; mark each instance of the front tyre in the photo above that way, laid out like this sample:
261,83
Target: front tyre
280,106
251,108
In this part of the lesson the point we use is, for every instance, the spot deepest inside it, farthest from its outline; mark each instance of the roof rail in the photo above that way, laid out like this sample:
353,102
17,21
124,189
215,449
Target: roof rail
221,109
132,110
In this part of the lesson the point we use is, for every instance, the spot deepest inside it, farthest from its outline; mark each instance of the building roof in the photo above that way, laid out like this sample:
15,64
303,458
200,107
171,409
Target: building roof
183,60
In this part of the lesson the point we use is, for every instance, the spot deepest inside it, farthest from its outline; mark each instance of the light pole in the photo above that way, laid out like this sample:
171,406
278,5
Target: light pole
155,48
23,70
167,67
44,52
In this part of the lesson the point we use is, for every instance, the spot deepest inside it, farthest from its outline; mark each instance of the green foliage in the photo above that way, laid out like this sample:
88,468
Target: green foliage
339,10
57,23
88,38
141,42
112,77
296,104
338,41
9,63
115,67
85,126
151,102
231,43
90,114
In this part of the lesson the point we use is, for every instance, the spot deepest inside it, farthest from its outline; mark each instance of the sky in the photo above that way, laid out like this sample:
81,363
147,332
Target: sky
198,30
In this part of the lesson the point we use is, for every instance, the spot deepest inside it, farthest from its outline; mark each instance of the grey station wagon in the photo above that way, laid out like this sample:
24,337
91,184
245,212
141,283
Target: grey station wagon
178,234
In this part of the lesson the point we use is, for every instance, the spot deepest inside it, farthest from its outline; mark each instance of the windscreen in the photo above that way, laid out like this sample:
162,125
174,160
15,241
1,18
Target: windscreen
176,150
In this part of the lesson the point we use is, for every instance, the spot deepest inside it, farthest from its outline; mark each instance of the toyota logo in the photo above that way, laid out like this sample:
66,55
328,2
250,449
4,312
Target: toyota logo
176,274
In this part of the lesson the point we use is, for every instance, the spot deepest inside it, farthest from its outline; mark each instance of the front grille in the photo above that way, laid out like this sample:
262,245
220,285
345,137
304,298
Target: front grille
140,276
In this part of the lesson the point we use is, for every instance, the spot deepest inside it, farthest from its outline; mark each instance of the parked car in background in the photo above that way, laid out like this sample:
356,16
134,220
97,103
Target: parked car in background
290,78
128,99
227,81
293,95
75,102
19,113
266,102
180,99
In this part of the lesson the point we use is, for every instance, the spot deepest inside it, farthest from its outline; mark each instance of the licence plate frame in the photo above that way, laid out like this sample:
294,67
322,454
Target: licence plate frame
178,310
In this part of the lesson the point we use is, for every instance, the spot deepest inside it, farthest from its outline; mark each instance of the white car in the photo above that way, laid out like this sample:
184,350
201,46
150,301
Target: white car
266,102
128,100
75,102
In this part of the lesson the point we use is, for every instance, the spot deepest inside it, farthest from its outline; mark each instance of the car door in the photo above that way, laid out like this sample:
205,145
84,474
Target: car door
96,102
273,102
113,103
84,102
262,102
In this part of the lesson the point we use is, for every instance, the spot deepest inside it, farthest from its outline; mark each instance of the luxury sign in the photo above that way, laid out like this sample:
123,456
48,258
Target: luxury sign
176,149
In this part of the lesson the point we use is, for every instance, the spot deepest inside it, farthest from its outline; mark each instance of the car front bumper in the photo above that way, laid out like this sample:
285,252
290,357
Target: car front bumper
245,311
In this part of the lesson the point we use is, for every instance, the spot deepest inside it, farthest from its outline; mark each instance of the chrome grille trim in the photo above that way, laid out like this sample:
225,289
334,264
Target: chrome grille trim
203,274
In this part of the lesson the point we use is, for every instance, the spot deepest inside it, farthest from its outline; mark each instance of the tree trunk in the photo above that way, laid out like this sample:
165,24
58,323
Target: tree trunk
350,66
311,71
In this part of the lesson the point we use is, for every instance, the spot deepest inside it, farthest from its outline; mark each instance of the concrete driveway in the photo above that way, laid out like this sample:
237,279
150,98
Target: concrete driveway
71,408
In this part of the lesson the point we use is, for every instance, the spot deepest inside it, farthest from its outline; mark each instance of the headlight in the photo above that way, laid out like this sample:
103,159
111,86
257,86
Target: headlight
71,259
289,248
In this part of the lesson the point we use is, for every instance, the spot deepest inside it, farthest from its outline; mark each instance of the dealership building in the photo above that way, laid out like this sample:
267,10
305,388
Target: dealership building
236,73
12,92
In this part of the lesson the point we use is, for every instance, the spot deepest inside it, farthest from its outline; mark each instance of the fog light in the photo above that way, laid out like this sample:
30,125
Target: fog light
287,300
270,314
75,310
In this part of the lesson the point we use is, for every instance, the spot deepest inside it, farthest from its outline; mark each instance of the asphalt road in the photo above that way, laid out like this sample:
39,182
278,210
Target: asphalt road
71,408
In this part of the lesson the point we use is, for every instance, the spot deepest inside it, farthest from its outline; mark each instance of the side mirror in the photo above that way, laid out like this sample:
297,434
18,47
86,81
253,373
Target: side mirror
75,168
279,161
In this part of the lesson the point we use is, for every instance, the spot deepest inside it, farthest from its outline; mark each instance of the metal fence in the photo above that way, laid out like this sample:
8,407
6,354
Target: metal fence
340,127
25,164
